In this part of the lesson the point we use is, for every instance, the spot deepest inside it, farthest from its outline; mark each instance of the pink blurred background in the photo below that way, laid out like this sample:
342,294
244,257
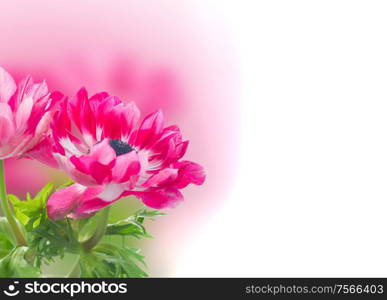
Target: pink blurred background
174,55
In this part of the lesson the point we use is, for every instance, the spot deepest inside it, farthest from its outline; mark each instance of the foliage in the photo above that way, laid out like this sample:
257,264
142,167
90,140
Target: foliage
7,241
110,261
132,225
49,239
32,211
15,264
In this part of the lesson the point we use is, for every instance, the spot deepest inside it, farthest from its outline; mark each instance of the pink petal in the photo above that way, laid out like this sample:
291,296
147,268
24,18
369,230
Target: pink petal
89,166
153,122
103,152
130,116
102,106
23,90
38,90
91,206
83,116
38,110
111,192
113,123
43,152
56,98
77,176
47,104
7,85
98,98
62,125
75,106
149,130
189,172
98,163
75,215
159,197
24,141
170,147
181,149
7,127
97,198
165,176
24,111
126,165
43,125
64,201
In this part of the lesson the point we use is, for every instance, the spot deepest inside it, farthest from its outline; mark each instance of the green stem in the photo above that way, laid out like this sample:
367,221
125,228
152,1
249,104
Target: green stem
18,234
99,232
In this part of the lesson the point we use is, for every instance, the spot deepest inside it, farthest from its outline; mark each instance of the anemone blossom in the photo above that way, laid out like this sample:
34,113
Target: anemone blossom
98,142
25,114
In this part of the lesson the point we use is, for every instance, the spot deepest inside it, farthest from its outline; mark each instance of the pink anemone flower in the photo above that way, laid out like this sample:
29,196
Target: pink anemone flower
98,143
25,114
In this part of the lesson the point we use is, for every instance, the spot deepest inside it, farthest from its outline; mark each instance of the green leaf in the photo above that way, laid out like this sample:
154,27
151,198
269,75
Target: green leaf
51,239
32,212
94,266
131,228
44,193
108,260
133,225
15,265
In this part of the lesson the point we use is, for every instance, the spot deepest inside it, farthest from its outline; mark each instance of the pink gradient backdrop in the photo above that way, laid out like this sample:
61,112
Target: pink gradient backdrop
176,55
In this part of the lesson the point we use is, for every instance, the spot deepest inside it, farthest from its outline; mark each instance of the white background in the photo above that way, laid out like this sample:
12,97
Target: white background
311,193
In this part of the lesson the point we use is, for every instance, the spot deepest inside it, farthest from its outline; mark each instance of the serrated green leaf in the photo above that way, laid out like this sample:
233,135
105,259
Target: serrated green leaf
32,211
108,260
132,228
51,239
133,225
15,265
96,266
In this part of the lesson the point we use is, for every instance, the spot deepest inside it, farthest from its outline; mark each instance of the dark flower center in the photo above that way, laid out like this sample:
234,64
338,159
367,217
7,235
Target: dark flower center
120,147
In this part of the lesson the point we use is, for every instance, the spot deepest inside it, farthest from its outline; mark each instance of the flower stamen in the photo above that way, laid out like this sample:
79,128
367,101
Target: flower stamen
120,147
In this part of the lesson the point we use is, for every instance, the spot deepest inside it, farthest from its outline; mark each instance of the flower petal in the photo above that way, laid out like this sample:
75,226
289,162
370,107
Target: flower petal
98,163
38,90
165,176
69,168
87,165
111,192
64,201
7,86
189,172
24,111
159,197
83,116
43,152
149,130
7,127
96,198
126,165
130,116
103,152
